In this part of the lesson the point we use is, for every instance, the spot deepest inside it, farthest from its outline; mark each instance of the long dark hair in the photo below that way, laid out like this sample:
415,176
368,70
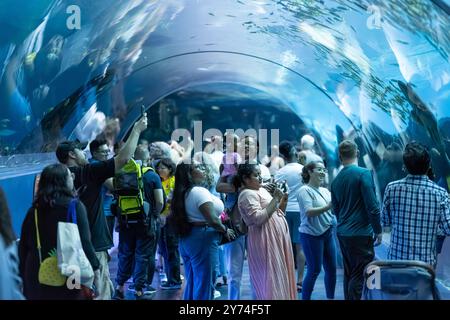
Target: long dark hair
6,229
53,186
245,170
178,216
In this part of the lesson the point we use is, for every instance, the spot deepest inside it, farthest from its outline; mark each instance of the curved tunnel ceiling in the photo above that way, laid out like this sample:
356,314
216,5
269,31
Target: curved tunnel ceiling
374,69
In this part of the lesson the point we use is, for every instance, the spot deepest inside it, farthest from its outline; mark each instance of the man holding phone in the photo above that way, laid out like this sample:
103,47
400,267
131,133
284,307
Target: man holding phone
89,179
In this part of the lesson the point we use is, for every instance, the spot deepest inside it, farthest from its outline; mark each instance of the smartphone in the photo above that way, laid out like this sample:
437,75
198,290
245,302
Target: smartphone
142,110
283,186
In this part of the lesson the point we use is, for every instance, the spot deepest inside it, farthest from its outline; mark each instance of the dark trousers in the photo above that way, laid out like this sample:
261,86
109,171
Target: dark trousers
357,252
319,250
134,249
110,220
168,243
152,252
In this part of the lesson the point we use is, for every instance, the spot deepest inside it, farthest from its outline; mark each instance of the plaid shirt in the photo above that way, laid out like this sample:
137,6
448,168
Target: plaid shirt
416,208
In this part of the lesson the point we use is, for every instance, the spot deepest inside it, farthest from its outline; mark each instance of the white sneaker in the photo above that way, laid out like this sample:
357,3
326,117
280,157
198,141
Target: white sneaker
217,294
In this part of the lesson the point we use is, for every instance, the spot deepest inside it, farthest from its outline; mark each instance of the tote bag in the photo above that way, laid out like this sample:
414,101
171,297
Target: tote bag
72,260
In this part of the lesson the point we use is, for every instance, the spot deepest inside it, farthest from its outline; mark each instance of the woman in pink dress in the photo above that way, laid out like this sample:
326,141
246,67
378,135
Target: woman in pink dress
270,255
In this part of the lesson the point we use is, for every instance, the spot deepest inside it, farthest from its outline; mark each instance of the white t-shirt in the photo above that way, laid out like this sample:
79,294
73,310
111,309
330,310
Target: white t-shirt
291,172
195,198
309,198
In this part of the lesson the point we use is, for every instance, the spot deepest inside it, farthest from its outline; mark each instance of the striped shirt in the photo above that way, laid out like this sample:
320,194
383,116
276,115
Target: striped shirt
415,207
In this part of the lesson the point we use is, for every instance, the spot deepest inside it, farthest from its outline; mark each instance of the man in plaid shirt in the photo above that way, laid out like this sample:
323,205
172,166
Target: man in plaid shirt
416,208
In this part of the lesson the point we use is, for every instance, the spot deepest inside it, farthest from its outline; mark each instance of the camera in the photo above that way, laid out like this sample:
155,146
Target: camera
283,186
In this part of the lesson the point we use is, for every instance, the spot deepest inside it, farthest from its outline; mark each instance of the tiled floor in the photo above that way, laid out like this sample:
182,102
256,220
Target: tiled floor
246,294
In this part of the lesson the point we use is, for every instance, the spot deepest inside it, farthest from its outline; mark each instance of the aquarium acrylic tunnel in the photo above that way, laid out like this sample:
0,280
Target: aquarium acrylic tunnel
374,71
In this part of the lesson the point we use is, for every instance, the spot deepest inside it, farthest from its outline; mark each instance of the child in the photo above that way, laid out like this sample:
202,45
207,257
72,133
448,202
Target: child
168,242
231,159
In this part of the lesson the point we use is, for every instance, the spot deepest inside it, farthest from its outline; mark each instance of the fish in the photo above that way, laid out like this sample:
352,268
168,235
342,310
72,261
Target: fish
420,113
4,122
6,132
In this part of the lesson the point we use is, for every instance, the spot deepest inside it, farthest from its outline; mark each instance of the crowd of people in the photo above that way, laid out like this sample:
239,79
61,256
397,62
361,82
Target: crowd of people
292,220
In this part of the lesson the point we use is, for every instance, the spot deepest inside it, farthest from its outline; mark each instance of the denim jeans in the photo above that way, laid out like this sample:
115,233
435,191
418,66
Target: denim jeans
235,255
134,253
319,250
168,244
199,250
220,267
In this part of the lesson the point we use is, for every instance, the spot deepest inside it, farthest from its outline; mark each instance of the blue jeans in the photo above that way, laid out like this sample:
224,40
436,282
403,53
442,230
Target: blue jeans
235,256
220,267
199,250
319,250
134,253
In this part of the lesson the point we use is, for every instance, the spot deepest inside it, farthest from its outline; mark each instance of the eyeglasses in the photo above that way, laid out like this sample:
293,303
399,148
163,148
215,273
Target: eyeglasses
103,151
200,167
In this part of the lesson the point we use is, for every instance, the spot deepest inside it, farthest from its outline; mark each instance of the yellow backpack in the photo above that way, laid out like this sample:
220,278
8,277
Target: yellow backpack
129,190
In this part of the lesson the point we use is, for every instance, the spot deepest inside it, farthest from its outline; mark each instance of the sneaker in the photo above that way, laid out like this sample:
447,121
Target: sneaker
118,295
170,286
217,294
131,288
162,277
149,289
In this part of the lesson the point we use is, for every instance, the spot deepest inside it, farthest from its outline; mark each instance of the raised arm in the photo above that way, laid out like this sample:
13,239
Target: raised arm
127,151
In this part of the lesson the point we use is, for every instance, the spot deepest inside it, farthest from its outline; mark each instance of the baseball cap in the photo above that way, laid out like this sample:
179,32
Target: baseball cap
63,149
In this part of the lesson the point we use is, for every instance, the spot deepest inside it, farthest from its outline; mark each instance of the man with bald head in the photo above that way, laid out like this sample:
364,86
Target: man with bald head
307,146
